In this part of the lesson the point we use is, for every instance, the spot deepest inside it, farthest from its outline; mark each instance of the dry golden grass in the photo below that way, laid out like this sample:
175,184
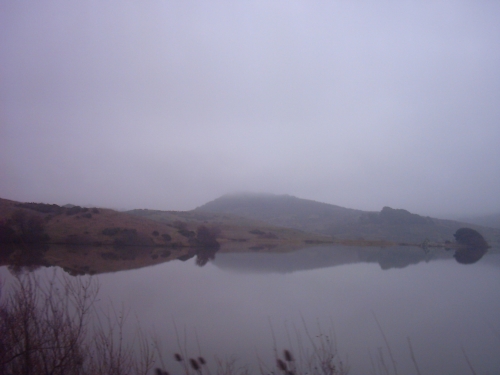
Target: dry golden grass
89,230
236,232
78,244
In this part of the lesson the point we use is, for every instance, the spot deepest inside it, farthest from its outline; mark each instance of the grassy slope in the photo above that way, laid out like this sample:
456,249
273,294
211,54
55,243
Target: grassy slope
283,210
236,231
89,258
342,223
60,226
238,234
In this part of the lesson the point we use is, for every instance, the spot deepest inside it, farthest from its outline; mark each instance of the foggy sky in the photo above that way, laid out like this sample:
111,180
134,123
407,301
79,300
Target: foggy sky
170,104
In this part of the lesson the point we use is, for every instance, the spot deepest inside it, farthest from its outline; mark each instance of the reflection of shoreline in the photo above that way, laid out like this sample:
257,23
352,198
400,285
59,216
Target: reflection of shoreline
88,260
325,256
81,260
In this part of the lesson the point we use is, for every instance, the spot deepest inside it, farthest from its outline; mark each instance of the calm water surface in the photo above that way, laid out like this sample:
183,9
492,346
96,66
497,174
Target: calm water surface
234,303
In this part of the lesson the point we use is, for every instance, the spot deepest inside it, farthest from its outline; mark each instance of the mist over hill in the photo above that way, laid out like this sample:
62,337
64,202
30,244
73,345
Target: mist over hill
343,223
283,210
492,221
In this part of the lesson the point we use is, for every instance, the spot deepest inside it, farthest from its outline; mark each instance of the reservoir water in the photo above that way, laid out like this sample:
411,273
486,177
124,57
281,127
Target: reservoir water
241,305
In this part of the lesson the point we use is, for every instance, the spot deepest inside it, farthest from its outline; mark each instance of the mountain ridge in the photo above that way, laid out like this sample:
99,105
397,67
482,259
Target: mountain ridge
78,225
95,240
398,225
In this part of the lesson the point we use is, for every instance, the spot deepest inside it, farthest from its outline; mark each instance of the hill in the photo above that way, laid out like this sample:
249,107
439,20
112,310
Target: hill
237,233
394,225
96,240
283,210
491,221
77,225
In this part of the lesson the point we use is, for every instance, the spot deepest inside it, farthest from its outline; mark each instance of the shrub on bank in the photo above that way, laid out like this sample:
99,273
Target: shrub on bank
23,227
42,207
111,231
75,210
470,237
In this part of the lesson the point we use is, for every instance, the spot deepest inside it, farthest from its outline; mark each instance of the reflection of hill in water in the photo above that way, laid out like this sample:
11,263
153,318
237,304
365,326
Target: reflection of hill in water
327,256
96,260
81,260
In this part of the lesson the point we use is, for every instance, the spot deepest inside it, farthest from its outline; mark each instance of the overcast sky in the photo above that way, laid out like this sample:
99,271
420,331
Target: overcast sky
170,104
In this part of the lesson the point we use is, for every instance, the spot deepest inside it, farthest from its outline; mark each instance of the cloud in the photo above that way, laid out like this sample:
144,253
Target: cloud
168,105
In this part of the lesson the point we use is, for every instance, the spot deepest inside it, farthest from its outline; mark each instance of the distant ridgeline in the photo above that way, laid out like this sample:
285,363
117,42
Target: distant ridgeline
395,217
396,225
75,225
103,237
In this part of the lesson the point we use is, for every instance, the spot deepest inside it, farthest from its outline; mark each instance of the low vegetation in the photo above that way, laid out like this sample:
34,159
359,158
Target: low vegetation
470,237
82,226
51,327
24,228
390,225
46,328
472,246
